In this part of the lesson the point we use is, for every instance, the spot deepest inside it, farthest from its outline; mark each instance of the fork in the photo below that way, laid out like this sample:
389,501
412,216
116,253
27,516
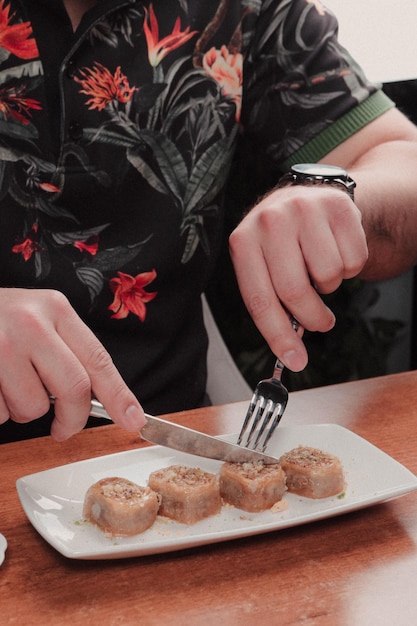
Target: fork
266,408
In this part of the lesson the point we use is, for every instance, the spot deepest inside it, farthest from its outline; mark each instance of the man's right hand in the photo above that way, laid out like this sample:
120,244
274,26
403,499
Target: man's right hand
45,348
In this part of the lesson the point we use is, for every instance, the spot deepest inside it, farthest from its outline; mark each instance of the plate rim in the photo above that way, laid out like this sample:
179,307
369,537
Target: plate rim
3,548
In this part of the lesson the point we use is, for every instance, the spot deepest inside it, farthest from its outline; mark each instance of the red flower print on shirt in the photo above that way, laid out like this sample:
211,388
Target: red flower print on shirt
29,245
89,245
104,87
130,295
16,38
159,48
49,187
15,105
227,70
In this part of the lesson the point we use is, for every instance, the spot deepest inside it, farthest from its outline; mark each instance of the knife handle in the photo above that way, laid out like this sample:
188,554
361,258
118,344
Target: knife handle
96,409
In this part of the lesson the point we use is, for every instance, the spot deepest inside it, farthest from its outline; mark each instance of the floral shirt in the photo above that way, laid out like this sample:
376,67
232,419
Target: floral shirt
115,147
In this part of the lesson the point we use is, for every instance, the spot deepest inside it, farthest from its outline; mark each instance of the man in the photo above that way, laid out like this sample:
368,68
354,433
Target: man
119,123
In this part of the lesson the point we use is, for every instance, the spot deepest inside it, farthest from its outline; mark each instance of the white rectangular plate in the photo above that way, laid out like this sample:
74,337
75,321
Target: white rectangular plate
53,499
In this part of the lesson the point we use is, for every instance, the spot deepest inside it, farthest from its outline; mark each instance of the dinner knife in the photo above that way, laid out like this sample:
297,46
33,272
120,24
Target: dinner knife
157,430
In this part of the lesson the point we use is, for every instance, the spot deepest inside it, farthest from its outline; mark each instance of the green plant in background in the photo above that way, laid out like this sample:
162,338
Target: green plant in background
357,347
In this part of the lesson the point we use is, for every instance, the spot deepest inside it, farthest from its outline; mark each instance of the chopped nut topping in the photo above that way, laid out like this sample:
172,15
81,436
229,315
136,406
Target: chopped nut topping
122,489
185,475
254,469
306,457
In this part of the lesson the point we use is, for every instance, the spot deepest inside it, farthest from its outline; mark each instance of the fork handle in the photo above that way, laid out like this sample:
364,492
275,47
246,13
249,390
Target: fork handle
294,323
279,365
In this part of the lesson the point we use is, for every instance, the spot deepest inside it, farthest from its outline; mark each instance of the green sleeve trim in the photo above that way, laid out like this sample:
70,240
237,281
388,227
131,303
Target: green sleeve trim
374,106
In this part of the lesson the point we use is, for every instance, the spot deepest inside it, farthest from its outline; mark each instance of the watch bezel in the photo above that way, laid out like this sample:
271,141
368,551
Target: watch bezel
319,173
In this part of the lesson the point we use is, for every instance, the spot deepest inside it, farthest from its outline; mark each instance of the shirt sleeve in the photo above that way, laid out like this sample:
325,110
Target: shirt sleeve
303,93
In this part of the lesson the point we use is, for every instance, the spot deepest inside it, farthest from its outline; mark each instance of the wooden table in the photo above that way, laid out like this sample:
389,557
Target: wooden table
354,570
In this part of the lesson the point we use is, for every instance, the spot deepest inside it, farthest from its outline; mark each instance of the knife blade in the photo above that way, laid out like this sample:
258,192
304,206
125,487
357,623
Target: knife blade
183,439
194,442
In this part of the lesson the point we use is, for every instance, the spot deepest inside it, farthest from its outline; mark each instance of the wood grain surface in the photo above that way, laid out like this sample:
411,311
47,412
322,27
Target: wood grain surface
357,569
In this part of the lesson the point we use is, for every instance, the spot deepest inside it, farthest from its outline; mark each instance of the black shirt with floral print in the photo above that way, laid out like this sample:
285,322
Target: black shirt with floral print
116,143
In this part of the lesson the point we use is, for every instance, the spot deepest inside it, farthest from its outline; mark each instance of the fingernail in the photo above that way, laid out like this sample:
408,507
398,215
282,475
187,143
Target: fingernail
134,418
294,361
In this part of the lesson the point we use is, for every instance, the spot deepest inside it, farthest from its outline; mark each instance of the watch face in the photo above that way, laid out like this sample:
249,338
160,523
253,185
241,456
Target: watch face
317,169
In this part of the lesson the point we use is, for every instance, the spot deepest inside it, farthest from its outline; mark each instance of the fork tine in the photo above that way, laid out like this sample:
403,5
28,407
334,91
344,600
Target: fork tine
249,414
278,410
270,409
253,413
260,404
261,420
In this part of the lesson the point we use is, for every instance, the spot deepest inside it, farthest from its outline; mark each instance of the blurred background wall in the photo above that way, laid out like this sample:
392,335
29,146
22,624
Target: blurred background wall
375,331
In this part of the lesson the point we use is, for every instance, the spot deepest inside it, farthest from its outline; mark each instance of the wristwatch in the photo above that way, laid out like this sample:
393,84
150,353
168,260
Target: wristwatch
318,174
